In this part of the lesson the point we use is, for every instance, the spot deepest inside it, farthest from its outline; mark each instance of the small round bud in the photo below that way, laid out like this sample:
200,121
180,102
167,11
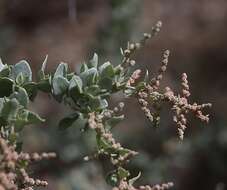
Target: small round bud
132,62
121,105
137,45
126,52
132,46
86,158
159,24
147,35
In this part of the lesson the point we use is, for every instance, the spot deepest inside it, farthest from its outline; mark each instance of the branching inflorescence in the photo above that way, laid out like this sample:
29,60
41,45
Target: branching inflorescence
87,93
151,96
13,174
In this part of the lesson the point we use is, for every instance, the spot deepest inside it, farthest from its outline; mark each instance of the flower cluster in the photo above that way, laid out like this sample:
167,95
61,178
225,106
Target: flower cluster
133,47
152,96
126,186
13,174
107,144
155,82
181,107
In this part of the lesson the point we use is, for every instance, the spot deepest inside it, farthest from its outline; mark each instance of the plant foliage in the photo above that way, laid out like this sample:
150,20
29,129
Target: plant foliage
87,93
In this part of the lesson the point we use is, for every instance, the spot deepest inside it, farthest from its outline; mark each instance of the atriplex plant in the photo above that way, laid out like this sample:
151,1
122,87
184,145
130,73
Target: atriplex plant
86,93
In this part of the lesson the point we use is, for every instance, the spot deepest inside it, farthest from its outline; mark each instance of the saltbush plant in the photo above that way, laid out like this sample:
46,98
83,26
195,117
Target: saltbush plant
87,93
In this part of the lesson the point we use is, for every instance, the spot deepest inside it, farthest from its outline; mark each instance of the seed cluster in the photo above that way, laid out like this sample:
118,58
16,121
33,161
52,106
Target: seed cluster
13,176
151,97
155,82
126,186
132,47
181,107
95,121
142,99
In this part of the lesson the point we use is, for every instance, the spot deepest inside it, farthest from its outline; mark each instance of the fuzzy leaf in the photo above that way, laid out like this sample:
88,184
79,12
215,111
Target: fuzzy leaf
61,70
83,68
5,71
6,87
113,121
89,77
102,143
10,109
44,85
34,118
24,68
32,90
21,96
20,79
44,64
1,65
134,179
77,83
1,104
123,152
68,121
41,73
122,173
106,70
60,85
94,90
146,77
96,103
106,83
94,61
26,117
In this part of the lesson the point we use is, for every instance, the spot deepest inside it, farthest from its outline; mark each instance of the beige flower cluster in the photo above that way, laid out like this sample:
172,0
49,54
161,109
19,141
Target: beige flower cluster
125,186
152,97
13,174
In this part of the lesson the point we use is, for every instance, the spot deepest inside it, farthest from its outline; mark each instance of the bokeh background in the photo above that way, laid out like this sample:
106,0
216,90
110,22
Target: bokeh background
72,30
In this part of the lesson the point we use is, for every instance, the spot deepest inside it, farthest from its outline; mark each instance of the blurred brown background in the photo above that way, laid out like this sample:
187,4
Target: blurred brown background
71,30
